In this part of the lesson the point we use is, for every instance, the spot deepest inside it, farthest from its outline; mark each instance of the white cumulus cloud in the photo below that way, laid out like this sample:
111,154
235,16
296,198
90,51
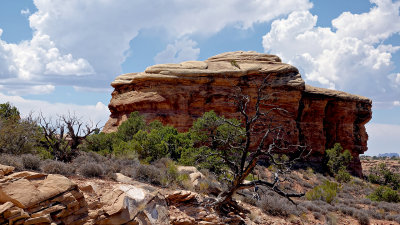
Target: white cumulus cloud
101,31
76,38
181,50
351,56
32,62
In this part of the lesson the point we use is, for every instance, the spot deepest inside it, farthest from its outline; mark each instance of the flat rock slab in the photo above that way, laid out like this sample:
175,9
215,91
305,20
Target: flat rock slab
26,189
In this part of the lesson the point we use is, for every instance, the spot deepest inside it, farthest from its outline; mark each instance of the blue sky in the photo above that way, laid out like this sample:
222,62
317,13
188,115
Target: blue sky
59,56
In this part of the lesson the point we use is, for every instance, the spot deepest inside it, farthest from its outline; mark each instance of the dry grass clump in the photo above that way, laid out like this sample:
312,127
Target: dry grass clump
146,173
273,204
365,201
362,217
11,160
331,219
395,218
31,162
85,157
117,165
57,167
318,215
91,164
313,207
91,169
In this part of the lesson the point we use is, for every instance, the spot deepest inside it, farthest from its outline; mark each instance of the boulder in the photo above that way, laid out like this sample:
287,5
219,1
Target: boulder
194,175
197,178
5,170
181,196
36,198
40,187
177,94
130,204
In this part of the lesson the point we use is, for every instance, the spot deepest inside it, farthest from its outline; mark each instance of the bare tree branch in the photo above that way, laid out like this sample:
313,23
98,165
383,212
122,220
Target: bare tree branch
260,137
64,134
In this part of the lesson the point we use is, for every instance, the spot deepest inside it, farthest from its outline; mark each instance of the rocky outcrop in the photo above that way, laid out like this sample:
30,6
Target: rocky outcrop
35,198
127,203
177,94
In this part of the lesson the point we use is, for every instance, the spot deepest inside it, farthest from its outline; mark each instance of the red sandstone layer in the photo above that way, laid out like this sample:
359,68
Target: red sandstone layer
177,94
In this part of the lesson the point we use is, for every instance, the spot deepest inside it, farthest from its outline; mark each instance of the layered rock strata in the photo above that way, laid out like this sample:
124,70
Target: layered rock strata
36,198
177,94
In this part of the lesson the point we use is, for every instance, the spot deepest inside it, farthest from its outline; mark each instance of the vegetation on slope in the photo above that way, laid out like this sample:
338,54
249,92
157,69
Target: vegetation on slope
151,153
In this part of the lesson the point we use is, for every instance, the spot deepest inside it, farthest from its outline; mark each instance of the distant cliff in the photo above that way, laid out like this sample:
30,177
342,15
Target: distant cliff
389,155
177,94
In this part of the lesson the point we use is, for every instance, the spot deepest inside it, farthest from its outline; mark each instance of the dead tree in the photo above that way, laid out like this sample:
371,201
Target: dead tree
63,135
245,142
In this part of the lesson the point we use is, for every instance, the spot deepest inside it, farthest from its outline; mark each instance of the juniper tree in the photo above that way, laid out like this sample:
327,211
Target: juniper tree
63,135
235,146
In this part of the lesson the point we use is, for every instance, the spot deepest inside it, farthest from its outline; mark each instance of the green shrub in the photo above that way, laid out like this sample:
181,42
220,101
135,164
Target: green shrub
125,150
169,171
160,142
343,176
101,143
8,111
131,126
136,139
386,194
185,182
381,174
337,159
325,192
18,136
205,132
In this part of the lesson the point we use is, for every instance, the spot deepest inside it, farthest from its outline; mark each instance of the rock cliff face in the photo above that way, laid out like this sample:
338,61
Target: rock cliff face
177,94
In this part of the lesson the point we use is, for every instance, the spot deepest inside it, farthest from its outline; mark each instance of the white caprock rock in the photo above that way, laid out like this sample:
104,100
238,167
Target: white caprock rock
128,203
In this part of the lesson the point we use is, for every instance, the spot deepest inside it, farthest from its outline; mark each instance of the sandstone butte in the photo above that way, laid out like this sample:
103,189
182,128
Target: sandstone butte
177,94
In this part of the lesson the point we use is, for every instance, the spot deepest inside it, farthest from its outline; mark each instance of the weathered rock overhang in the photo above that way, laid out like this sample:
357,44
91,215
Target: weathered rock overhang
177,94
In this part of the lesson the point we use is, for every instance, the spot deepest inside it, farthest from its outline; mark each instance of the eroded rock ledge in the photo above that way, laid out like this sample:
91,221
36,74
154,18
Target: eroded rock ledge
177,94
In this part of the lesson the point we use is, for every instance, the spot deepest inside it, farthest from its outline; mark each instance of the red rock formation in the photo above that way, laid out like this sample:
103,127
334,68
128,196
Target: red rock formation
177,94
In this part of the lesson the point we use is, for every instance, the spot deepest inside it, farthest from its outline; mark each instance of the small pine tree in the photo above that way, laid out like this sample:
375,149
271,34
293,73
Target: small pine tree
337,159
8,111
131,126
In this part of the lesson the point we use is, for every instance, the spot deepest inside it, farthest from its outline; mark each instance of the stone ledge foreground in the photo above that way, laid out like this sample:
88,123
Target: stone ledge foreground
35,198
177,94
